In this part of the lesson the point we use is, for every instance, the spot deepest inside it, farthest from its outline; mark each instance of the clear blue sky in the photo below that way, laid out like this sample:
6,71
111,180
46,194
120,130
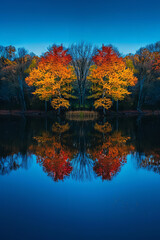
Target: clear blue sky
35,24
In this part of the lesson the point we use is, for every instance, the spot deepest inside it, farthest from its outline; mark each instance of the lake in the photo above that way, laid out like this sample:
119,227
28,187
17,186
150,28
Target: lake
95,180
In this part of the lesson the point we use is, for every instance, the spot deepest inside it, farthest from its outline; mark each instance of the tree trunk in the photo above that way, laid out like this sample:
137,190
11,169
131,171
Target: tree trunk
104,110
140,95
59,111
83,98
117,124
20,80
46,107
139,101
80,97
117,106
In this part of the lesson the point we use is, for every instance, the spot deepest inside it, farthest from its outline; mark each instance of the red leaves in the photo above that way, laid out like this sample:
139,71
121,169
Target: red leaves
156,65
105,56
57,55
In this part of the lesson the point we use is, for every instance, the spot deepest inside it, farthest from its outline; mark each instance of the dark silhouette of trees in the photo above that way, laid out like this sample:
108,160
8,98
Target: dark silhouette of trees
13,65
81,60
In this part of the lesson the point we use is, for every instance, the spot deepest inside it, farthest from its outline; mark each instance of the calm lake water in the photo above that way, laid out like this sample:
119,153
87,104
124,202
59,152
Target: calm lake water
80,180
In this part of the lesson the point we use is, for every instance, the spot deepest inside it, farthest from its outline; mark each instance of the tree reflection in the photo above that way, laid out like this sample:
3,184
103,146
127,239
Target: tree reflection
150,160
147,146
15,139
51,154
82,167
63,154
111,155
81,150
8,164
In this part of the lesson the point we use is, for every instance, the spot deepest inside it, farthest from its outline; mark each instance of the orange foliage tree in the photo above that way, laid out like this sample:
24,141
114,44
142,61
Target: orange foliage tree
156,64
110,78
52,77
111,155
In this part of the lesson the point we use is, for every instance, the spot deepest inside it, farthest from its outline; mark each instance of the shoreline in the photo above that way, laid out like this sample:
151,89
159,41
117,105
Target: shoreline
50,113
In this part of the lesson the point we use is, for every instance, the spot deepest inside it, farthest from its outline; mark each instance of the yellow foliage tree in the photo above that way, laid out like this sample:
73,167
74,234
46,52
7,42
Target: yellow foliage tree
110,78
52,77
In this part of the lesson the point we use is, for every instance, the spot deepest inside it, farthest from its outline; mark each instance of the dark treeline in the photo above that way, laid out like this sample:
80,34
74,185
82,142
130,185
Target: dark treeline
14,67
16,64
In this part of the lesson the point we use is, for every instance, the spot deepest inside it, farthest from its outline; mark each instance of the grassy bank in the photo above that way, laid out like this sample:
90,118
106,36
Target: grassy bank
82,115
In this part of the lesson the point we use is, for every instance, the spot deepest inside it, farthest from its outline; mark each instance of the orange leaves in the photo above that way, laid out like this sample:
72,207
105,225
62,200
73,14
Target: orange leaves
111,155
103,102
57,128
57,55
105,128
51,154
53,77
156,65
60,102
105,56
110,78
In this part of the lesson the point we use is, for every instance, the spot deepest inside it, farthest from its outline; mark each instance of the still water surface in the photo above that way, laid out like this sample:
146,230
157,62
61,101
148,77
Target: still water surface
79,180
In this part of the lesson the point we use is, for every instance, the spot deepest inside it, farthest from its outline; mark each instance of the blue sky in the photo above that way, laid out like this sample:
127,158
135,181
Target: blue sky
35,24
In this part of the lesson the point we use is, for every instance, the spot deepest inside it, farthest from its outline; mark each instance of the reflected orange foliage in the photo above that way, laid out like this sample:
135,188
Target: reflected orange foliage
112,154
57,128
52,155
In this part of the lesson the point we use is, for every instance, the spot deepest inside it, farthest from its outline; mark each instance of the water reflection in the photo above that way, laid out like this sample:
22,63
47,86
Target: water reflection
82,165
111,155
14,162
79,150
51,154
150,160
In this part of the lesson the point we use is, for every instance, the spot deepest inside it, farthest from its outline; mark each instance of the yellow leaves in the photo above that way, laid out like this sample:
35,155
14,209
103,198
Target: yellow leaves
103,102
60,102
57,128
32,65
52,80
9,62
105,128
111,81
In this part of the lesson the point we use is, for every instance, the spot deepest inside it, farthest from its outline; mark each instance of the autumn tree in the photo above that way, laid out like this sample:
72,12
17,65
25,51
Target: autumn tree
52,154
146,65
110,78
10,52
150,160
111,155
52,77
13,64
23,61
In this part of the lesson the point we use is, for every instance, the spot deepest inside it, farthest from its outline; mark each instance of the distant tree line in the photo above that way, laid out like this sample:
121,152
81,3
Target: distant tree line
80,77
